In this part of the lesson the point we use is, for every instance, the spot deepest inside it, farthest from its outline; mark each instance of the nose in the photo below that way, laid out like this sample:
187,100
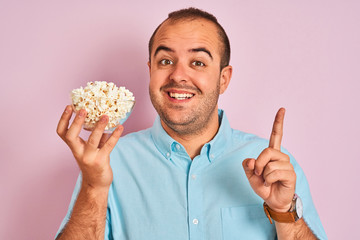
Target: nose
179,73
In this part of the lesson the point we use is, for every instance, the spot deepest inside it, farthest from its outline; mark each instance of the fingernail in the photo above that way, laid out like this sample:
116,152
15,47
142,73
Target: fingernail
103,119
257,172
118,129
67,109
82,113
265,184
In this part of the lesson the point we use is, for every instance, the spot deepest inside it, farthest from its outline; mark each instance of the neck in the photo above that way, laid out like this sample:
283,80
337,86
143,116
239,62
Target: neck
194,142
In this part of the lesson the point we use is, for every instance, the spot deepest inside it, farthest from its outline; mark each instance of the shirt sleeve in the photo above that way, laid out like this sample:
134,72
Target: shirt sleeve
108,230
71,205
310,214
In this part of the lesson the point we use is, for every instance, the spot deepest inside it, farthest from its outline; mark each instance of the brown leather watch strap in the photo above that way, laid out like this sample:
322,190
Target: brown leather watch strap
283,217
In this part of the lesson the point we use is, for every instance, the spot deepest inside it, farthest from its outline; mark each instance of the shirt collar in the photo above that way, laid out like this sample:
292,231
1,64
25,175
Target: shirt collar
222,138
161,139
212,149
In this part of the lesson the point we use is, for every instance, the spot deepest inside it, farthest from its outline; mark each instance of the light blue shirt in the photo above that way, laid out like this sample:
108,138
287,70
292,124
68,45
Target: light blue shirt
159,193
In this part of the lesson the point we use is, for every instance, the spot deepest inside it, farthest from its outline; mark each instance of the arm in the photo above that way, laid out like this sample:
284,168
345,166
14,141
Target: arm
88,218
296,230
273,178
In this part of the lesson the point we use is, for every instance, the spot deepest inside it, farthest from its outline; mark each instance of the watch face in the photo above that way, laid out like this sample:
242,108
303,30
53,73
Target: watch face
299,207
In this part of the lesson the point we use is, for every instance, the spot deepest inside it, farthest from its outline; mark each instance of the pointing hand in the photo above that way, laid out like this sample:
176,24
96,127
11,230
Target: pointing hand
271,175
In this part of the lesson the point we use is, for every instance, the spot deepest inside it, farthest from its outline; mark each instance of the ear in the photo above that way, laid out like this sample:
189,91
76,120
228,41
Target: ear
225,77
149,65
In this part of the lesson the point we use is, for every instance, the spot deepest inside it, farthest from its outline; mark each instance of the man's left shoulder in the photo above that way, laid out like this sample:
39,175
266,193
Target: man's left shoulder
252,143
244,139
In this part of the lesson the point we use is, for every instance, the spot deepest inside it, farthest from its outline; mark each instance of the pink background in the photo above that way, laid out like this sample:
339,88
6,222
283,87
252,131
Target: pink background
303,55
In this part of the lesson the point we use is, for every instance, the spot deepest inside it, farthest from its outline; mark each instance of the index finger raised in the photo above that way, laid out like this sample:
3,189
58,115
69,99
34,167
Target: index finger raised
277,130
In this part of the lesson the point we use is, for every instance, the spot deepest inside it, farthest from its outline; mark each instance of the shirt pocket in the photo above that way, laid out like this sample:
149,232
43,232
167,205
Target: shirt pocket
246,222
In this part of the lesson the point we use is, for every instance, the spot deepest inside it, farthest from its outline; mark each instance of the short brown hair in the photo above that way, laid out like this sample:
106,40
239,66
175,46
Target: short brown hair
195,13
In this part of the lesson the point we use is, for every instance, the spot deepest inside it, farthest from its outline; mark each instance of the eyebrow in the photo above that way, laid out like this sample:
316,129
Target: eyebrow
162,47
202,50
167,49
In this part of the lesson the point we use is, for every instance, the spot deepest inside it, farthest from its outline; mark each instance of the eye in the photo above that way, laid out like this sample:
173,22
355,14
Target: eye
198,64
166,62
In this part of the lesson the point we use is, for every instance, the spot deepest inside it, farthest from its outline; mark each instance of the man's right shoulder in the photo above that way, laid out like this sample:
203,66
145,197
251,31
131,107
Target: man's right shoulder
134,138
131,149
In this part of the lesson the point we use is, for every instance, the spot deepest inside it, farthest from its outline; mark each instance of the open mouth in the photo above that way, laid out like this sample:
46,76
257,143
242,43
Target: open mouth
180,96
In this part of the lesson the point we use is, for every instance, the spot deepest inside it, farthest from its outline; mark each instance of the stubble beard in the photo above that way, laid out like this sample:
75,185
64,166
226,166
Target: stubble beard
195,122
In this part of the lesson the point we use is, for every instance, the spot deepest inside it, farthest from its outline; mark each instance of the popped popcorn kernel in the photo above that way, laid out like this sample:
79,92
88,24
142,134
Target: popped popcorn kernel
102,98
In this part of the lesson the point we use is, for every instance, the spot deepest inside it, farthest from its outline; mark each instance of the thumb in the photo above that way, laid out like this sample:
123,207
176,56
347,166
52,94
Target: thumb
249,166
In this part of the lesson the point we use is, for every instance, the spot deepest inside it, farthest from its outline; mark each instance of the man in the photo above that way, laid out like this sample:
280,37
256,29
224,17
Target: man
182,178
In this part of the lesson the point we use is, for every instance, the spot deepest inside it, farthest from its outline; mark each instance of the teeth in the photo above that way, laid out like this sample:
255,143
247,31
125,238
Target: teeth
181,96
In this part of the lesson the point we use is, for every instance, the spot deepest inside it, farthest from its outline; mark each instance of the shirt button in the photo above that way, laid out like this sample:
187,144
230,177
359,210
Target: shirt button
177,146
212,156
193,176
195,221
167,154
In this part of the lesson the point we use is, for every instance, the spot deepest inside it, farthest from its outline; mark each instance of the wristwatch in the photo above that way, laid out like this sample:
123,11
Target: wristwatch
295,212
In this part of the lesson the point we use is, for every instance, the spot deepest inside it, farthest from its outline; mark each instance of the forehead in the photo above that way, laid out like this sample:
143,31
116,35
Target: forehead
185,34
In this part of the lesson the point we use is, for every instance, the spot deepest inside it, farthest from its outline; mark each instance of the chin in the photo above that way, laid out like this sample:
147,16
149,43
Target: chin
170,119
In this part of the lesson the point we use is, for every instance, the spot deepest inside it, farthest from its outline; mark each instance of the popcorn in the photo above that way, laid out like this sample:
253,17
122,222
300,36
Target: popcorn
103,98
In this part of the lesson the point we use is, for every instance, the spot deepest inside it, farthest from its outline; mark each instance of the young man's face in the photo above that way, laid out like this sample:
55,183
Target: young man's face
185,76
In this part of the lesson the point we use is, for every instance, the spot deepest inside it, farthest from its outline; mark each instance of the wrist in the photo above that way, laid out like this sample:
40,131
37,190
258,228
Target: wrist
284,209
94,191
293,214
